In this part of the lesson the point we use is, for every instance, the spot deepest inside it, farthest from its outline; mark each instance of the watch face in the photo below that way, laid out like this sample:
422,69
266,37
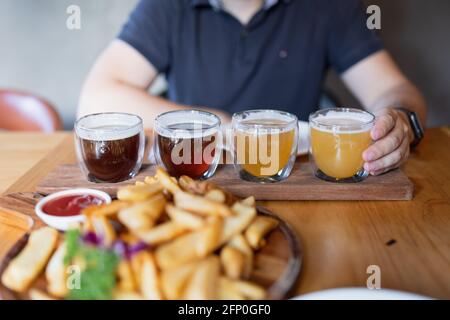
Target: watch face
417,125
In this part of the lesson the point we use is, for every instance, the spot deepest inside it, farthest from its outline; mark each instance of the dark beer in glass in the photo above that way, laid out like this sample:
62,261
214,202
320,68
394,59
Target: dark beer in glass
188,142
110,146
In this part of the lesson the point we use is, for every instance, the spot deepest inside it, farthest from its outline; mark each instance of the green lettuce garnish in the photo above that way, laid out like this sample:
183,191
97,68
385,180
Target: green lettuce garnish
98,273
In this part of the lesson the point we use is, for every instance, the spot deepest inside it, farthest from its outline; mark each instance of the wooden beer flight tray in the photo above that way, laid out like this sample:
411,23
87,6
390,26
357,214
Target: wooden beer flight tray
276,266
301,185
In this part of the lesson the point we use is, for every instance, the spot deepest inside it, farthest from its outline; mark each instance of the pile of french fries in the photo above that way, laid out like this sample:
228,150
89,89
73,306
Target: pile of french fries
201,243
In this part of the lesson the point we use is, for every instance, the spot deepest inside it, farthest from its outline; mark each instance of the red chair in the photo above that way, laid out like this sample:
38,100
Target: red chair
21,111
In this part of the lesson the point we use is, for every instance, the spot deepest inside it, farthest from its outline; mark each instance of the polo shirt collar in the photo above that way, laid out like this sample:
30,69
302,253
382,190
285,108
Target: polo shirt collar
216,4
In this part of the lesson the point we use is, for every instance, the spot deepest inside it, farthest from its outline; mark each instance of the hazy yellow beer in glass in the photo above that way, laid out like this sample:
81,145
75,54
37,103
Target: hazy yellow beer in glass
265,144
338,139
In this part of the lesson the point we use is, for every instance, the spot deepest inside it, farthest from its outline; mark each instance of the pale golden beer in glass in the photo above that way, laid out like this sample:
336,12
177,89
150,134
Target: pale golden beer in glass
265,144
338,139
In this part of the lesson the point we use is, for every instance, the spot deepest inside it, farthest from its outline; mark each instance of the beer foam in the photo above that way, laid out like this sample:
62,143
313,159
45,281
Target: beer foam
195,133
108,127
343,122
264,119
201,124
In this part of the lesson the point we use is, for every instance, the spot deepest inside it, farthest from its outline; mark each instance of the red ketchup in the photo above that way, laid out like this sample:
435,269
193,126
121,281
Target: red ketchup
72,205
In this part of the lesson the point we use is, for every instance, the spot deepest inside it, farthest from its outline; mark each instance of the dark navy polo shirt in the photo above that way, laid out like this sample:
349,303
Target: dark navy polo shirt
278,60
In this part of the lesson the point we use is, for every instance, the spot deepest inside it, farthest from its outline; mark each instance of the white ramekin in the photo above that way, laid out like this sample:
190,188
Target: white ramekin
63,223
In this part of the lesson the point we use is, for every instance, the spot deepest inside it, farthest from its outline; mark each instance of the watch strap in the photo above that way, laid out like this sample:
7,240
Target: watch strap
415,125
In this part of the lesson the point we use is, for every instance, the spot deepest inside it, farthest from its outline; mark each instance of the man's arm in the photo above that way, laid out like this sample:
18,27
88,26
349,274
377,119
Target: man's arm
380,86
119,81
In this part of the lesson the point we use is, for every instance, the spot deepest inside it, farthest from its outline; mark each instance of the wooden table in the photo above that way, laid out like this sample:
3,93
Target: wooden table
19,152
408,240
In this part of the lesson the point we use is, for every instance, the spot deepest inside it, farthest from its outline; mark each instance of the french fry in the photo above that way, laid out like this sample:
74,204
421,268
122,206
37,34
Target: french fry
142,215
91,209
134,218
185,182
126,282
107,209
166,181
150,283
248,289
216,195
55,273
250,201
87,225
184,218
211,236
150,180
203,284
192,246
233,262
227,290
155,206
201,205
239,242
36,294
103,228
139,193
129,238
136,266
139,183
173,281
161,233
258,229
192,186
179,251
26,266
242,217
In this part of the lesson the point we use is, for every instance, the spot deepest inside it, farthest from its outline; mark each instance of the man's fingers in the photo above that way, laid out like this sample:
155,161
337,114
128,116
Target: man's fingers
378,172
390,161
394,166
387,144
383,125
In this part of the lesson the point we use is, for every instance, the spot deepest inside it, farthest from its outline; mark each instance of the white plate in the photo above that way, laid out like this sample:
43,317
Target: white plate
360,294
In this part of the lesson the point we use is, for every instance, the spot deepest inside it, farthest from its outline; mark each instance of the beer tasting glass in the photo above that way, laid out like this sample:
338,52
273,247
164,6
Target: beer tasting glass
265,144
339,137
188,142
110,146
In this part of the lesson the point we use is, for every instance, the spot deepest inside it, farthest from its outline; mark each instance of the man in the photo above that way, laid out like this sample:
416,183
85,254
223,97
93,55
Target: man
230,55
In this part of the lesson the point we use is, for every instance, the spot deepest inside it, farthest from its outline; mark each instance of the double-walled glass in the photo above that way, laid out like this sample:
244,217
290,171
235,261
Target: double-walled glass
188,142
110,146
339,137
265,144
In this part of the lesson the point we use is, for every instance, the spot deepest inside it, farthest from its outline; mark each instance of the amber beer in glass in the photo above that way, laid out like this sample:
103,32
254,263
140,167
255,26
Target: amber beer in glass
110,146
265,144
188,142
339,137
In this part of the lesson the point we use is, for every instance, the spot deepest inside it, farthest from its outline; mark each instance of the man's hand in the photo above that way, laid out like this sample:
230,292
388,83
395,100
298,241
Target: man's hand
392,135
377,82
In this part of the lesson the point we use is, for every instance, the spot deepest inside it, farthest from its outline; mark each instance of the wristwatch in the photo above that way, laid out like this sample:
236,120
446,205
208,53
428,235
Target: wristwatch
415,125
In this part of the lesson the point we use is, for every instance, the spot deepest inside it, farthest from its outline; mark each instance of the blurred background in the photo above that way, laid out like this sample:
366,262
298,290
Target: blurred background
40,55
